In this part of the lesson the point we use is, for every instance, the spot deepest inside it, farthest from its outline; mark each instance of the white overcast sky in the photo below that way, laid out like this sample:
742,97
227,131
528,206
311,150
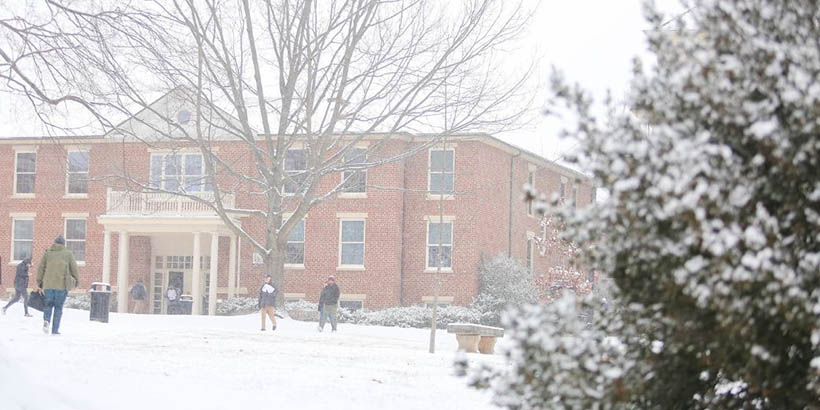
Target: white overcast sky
591,41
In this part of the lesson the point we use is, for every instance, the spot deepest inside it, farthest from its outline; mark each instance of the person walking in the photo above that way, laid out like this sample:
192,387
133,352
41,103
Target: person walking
56,274
329,303
138,295
267,303
173,294
20,286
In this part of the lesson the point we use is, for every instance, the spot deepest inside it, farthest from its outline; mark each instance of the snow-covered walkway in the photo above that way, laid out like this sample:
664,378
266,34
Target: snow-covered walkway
185,362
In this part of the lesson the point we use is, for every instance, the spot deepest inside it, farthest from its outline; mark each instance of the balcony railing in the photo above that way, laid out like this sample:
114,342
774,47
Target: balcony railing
161,204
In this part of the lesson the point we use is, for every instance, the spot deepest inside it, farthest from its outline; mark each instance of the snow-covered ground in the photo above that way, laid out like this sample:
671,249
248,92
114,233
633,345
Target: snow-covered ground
199,362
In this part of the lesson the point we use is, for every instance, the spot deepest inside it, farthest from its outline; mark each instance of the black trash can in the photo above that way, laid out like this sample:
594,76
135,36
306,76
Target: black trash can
187,304
100,299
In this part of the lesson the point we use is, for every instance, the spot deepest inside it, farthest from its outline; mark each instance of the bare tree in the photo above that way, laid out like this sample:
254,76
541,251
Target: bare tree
300,83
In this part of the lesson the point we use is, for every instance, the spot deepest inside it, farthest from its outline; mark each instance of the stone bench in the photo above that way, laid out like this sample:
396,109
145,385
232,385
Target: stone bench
475,338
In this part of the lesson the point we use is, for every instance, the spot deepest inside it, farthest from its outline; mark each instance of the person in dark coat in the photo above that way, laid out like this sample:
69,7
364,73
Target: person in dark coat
173,294
138,296
20,286
329,303
267,303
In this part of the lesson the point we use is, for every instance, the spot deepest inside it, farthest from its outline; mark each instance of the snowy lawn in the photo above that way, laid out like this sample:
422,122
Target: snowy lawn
200,362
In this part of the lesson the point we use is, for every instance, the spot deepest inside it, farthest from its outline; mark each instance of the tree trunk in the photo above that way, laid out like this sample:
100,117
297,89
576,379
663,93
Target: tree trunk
275,267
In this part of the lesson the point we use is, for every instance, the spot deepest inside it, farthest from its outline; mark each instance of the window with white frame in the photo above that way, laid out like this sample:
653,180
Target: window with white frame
530,253
22,239
351,249
574,196
439,233
442,166
295,249
351,304
24,171
77,178
355,180
531,182
430,304
157,292
179,173
296,169
75,238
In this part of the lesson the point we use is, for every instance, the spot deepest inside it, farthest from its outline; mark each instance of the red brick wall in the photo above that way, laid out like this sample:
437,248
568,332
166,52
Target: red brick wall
395,227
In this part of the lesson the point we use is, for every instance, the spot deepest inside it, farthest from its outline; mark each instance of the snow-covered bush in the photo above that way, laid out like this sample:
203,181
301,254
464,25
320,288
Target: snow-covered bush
711,232
237,306
83,302
409,316
503,283
547,342
301,305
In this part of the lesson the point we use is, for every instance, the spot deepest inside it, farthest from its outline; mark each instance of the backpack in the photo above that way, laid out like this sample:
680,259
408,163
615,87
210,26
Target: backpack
137,292
172,294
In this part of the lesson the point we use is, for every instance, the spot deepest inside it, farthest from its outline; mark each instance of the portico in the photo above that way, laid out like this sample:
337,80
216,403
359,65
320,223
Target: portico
175,253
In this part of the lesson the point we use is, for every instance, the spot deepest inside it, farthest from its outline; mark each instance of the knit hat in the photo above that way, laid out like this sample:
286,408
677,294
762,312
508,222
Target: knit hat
59,240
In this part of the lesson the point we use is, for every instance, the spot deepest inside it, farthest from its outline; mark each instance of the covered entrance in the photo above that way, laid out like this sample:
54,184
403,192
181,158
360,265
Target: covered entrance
183,243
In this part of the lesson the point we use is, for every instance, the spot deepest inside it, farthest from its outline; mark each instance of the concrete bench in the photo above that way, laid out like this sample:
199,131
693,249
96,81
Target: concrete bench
475,338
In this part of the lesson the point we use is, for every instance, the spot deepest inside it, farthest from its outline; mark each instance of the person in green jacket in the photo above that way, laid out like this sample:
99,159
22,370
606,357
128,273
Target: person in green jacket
56,274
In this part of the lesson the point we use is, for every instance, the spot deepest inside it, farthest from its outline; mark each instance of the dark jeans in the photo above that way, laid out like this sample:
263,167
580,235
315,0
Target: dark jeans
54,300
18,293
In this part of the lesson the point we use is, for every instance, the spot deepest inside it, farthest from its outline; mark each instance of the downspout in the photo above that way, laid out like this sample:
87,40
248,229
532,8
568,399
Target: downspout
403,226
509,224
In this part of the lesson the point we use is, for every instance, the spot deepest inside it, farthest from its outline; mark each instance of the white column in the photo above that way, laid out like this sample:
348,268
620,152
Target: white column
106,268
196,287
122,273
232,268
214,280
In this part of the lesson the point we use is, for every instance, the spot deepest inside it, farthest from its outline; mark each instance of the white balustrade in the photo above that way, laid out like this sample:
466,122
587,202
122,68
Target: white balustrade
161,204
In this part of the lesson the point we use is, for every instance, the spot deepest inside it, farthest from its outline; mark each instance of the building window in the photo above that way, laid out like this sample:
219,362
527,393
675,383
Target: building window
351,304
563,190
530,254
75,238
179,173
441,305
24,171
442,165
158,262
574,196
22,239
296,170
295,250
355,180
77,172
531,183
351,251
436,231
157,293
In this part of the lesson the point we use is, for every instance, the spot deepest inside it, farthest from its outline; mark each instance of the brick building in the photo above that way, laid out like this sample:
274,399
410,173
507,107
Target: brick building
375,241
